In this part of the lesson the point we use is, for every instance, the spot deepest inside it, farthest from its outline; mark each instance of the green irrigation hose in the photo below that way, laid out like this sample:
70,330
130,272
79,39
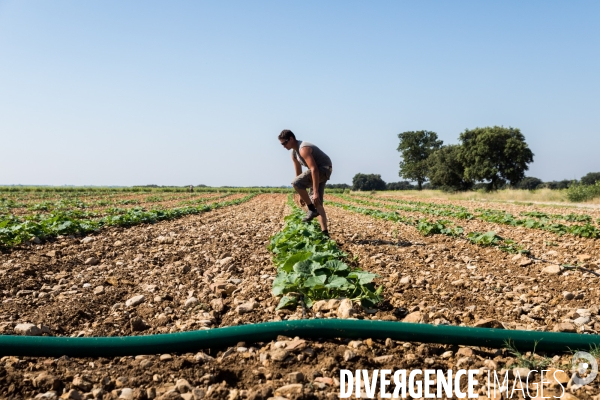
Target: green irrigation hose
186,342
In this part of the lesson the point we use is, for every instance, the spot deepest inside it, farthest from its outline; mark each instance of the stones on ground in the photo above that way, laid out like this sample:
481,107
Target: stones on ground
217,304
489,323
126,394
349,355
183,386
383,359
552,269
287,390
568,295
246,307
137,324
584,257
46,381
325,305
27,329
565,327
82,384
415,317
99,290
581,321
165,357
91,261
72,394
279,354
345,310
191,302
296,377
526,262
135,300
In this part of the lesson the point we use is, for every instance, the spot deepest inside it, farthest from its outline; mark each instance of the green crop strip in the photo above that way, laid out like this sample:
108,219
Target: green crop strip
311,267
494,216
427,228
14,231
423,208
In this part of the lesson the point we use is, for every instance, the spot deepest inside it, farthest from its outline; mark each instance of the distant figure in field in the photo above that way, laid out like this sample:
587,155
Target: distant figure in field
319,171
191,189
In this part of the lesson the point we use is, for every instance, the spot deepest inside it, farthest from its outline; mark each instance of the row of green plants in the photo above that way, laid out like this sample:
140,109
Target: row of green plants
69,204
141,189
500,217
311,267
440,227
489,215
15,230
563,217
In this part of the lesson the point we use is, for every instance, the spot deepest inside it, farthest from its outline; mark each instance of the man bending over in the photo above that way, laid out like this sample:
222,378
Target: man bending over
318,172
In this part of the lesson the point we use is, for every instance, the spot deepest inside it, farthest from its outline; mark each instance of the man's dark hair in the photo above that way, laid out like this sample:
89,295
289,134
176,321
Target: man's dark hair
286,134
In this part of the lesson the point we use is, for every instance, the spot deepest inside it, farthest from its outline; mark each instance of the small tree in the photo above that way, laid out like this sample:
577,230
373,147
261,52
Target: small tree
591,178
529,183
446,171
495,154
415,148
367,182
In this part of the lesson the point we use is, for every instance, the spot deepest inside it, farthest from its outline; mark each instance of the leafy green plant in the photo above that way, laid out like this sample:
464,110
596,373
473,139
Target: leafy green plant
427,228
491,239
310,267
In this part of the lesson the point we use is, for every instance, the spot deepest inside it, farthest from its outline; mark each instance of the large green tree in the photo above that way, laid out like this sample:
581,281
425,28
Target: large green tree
591,178
494,154
415,147
446,171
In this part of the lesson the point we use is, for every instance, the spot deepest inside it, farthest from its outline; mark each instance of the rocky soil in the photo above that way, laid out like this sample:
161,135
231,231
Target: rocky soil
213,270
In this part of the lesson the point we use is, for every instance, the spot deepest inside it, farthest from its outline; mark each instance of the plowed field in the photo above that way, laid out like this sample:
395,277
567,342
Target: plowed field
213,270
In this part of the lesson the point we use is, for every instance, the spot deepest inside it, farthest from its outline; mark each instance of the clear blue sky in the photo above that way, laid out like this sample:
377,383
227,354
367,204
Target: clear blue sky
191,92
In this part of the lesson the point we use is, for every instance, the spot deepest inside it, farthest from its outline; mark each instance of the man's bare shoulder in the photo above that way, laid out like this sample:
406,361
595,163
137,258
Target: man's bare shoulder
305,151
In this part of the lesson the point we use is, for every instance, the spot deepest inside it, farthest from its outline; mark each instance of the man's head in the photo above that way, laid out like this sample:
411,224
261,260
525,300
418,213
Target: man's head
287,139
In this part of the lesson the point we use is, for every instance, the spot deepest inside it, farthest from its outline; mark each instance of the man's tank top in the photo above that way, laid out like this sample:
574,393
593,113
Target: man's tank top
321,158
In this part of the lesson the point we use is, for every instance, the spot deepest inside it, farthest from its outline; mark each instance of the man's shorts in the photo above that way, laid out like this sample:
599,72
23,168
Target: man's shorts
304,180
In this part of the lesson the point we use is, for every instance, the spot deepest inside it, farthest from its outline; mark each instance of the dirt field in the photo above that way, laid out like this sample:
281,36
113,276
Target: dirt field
196,272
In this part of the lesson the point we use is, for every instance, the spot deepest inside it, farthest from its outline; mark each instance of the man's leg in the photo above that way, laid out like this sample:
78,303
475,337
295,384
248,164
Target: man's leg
300,184
321,210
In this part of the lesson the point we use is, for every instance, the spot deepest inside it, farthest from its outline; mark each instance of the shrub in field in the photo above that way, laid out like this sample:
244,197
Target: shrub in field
310,267
579,193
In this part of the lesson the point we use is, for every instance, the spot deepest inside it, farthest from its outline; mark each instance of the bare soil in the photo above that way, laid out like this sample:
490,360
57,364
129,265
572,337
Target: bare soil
79,287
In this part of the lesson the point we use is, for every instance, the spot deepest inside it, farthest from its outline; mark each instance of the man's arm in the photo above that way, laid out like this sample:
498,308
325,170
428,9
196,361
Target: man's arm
297,166
306,153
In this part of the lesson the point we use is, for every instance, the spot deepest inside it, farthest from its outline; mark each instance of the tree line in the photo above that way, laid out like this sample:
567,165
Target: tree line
491,158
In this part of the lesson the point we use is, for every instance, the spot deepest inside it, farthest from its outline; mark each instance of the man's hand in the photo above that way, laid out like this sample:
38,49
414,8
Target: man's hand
316,199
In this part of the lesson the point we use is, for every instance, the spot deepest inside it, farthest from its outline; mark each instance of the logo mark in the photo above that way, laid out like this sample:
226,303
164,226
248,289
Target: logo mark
585,368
